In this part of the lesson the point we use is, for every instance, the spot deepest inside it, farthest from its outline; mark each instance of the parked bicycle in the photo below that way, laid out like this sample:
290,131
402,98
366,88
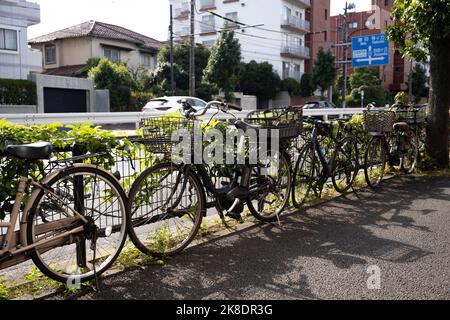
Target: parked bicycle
395,140
168,201
73,225
314,168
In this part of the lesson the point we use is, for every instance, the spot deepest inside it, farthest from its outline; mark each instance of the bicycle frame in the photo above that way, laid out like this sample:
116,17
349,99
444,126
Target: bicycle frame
15,242
326,172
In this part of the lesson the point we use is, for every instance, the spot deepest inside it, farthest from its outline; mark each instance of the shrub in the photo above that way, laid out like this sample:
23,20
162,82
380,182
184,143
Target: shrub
291,85
374,94
139,100
17,92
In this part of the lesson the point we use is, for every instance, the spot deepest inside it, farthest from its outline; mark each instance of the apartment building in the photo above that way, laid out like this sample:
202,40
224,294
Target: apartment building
271,30
65,52
17,61
395,76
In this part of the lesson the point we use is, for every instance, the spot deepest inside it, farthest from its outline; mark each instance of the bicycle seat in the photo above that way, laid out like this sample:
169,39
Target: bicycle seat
34,151
401,126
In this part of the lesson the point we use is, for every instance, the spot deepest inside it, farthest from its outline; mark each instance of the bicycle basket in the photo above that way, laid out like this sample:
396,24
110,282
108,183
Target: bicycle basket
288,120
412,117
158,131
379,121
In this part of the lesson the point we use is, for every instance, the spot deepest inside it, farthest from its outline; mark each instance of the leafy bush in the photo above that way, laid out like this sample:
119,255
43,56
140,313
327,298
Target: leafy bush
307,86
375,94
291,85
17,92
139,100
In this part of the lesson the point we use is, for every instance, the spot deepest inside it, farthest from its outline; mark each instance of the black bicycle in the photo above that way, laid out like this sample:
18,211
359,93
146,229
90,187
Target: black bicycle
169,200
317,165
394,140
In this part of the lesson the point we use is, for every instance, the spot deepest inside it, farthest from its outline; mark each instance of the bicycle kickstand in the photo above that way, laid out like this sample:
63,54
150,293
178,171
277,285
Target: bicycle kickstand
355,192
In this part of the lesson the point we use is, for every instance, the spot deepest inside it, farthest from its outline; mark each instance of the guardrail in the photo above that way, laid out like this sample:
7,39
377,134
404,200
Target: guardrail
136,117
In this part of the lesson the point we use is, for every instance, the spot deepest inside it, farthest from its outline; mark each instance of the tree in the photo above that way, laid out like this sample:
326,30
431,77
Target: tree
307,86
364,77
421,29
324,70
419,82
223,63
117,79
259,79
181,60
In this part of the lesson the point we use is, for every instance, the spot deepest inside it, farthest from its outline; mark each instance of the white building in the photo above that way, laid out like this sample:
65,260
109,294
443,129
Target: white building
279,37
17,60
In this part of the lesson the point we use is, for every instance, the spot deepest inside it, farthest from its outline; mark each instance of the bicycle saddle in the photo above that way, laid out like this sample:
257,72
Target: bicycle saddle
34,151
401,126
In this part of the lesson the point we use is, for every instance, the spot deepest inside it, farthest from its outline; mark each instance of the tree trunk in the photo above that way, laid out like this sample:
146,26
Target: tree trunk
438,128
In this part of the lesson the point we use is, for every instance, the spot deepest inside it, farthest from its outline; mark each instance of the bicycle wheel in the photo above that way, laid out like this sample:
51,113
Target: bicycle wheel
155,228
375,161
305,176
410,154
345,164
274,180
80,257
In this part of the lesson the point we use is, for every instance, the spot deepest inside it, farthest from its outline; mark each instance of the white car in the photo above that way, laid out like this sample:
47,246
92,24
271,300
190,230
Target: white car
171,104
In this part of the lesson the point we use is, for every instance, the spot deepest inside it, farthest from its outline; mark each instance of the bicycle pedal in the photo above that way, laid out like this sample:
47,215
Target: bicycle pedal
6,256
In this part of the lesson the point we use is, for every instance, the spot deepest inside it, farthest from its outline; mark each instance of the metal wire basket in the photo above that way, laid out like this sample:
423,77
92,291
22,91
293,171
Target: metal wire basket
413,117
287,120
158,131
379,121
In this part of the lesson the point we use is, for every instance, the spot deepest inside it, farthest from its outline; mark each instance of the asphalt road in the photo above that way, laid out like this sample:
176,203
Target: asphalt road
321,253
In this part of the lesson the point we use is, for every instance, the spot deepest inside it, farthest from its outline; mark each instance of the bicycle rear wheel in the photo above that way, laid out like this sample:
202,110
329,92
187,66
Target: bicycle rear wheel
408,161
80,257
155,228
375,161
345,165
275,187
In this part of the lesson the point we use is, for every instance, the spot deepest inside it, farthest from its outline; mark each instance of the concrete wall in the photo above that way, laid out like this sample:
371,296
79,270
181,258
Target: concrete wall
18,15
102,101
45,81
13,109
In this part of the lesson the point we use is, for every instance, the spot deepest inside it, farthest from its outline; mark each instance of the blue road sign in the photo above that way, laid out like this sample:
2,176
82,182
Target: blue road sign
371,50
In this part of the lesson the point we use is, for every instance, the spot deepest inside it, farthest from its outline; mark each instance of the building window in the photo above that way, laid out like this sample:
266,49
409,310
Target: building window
209,43
8,39
353,25
232,16
50,54
147,60
112,54
208,24
286,70
325,36
326,14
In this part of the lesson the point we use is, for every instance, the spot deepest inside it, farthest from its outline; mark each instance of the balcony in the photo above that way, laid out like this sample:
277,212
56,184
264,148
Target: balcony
300,3
295,52
295,24
182,11
207,4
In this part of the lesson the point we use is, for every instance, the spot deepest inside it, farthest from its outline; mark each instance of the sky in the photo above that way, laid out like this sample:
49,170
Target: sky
149,17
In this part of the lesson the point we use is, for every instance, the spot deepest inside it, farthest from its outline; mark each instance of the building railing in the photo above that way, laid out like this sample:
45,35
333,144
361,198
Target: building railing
185,8
136,117
296,50
301,3
207,27
296,22
297,75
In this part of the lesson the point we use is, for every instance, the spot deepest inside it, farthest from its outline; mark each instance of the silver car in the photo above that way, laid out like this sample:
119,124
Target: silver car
171,104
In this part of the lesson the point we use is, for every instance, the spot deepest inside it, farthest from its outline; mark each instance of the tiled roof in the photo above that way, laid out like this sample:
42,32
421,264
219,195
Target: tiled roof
100,30
66,71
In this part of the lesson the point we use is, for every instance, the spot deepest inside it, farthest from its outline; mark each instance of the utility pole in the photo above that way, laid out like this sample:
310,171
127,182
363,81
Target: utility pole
192,53
172,78
345,40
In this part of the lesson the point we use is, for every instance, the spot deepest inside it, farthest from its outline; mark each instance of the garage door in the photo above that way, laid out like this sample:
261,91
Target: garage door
64,100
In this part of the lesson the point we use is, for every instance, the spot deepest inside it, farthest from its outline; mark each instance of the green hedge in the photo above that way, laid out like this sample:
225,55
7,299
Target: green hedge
17,92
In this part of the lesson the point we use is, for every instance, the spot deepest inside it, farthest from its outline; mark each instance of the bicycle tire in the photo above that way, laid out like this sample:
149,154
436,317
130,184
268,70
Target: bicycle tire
143,239
376,144
306,177
286,184
350,165
59,184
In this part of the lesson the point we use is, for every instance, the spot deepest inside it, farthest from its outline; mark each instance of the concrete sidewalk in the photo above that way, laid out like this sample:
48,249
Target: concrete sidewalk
325,252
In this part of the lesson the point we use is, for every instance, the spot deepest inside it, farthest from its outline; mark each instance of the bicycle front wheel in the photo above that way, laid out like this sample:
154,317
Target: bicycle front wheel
272,182
306,181
345,165
71,256
375,161
167,208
